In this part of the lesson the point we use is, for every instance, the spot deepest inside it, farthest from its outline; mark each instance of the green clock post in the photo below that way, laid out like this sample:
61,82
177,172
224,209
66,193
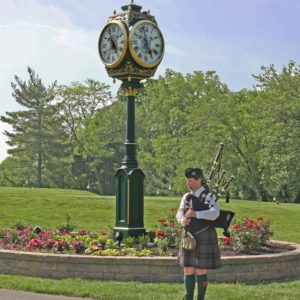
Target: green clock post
131,46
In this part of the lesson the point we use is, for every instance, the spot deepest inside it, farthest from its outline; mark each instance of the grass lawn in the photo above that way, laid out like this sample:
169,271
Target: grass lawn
113,290
48,207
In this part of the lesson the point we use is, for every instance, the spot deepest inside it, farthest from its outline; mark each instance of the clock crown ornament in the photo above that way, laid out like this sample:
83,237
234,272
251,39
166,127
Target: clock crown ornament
131,45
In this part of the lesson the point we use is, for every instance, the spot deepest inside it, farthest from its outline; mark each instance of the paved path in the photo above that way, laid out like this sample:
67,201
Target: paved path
20,295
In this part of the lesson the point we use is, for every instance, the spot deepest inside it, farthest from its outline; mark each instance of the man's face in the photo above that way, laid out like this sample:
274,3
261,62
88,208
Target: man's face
193,184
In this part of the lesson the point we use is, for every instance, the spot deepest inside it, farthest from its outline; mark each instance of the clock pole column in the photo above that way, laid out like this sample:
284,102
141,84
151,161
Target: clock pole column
131,46
129,178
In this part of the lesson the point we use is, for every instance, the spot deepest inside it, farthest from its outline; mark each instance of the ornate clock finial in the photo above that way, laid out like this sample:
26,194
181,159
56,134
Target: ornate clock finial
132,1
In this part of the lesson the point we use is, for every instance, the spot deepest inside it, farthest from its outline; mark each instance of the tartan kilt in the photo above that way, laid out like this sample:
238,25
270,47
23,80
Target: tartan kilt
207,253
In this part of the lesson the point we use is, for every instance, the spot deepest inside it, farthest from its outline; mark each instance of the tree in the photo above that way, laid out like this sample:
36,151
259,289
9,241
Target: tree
167,144
72,136
32,134
240,128
14,172
105,137
78,104
279,98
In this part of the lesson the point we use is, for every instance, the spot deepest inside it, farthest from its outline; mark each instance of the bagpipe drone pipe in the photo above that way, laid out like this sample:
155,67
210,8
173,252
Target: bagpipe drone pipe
214,182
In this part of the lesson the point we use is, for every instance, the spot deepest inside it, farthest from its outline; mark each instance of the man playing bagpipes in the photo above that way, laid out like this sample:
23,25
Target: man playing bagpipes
199,213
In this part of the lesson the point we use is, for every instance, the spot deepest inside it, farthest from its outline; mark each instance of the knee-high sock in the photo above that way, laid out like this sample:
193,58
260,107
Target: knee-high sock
202,284
189,282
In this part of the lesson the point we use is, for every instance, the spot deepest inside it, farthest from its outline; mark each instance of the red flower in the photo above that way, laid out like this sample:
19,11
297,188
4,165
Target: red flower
258,228
235,226
84,232
227,240
259,219
160,234
162,221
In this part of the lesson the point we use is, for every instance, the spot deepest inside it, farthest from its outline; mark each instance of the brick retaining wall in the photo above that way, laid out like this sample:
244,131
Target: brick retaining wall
148,269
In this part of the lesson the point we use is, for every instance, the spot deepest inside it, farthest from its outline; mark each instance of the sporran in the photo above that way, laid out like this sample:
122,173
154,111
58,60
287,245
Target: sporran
188,241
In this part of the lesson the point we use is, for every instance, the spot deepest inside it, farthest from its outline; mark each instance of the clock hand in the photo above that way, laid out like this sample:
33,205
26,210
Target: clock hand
113,43
146,44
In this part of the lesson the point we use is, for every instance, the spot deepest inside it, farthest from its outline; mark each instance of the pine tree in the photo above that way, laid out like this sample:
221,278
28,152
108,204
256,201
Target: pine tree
34,131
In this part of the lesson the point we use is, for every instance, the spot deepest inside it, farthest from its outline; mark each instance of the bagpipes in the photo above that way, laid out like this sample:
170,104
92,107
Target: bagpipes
214,181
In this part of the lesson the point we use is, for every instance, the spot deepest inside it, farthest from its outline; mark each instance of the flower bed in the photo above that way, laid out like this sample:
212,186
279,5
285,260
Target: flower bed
248,237
31,239
65,254
66,241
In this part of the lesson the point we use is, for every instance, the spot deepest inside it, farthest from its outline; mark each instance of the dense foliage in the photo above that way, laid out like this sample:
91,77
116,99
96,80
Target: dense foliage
72,136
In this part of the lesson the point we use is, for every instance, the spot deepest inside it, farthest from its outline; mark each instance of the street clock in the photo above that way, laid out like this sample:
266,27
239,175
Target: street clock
131,45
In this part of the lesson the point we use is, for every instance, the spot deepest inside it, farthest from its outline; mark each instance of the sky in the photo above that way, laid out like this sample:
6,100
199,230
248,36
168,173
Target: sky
58,39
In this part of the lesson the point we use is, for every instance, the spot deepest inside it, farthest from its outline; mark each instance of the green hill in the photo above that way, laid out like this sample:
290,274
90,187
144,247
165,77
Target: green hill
49,207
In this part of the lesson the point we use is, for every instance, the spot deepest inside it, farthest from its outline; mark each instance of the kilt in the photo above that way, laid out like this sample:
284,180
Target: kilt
207,253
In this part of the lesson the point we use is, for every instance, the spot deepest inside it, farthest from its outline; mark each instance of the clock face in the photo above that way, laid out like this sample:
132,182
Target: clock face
146,44
113,44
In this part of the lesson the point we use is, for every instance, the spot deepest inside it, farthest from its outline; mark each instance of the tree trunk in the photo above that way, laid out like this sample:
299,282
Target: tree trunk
40,169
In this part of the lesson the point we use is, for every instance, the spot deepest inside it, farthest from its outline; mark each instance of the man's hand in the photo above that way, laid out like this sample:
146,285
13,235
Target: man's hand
185,221
190,214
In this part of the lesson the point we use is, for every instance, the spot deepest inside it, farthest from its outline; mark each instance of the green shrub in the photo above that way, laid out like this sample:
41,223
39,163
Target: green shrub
250,235
129,241
143,241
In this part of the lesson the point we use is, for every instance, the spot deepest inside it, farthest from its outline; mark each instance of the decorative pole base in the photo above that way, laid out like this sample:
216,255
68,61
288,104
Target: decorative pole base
129,202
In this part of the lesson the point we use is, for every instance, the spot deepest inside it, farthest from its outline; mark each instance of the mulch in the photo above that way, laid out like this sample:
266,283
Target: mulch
270,248
227,250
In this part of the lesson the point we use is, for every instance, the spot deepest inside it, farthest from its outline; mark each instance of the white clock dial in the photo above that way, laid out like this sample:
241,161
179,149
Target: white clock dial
146,44
113,43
